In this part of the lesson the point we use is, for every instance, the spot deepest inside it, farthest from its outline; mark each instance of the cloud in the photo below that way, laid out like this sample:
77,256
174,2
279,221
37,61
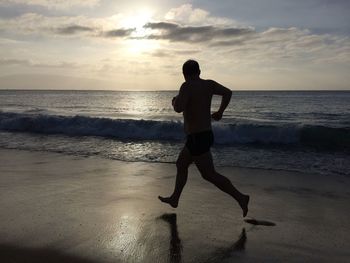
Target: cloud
30,63
195,26
118,32
13,61
194,34
73,29
7,41
32,23
51,81
54,4
228,43
188,15
197,30
273,45
65,26
171,52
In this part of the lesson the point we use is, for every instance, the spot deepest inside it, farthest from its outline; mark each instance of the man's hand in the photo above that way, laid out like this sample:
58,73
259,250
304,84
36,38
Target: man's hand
173,101
217,115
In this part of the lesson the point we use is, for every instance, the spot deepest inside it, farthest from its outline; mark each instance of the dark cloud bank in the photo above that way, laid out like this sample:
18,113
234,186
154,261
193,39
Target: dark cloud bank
194,34
217,36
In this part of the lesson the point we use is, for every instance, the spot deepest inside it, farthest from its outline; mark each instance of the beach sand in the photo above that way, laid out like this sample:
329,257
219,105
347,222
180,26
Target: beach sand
60,208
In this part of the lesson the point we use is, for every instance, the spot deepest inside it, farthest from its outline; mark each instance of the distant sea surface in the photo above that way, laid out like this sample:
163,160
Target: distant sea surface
306,131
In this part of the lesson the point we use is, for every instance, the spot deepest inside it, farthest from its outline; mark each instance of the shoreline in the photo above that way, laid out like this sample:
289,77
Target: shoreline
90,209
173,163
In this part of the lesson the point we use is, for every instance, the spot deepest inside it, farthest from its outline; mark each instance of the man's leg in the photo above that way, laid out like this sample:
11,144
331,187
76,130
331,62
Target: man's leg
205,165
183,162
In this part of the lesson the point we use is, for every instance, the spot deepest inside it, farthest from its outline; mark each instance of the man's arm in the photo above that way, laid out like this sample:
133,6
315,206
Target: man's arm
181,100
226,94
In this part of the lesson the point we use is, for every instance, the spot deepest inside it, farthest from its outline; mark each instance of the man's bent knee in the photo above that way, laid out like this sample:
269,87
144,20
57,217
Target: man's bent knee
207,175
181,165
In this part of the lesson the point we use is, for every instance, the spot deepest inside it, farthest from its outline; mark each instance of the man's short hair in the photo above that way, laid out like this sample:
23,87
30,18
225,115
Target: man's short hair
191,67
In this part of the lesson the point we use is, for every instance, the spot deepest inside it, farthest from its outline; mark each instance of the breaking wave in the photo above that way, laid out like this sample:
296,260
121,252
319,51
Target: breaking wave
238,133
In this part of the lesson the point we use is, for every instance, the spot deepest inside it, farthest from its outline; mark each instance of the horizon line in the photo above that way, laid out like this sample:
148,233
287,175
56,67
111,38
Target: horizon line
167,90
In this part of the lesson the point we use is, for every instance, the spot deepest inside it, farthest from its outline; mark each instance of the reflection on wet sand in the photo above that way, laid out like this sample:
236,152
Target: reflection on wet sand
175,249
259,222
223,253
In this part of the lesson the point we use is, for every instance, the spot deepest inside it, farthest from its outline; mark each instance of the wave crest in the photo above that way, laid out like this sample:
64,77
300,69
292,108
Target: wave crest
239,133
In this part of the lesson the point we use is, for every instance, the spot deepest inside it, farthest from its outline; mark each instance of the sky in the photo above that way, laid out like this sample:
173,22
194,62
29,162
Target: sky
141,45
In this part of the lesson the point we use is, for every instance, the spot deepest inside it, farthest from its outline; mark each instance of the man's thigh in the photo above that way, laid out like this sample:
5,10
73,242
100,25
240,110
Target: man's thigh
204,162
185,158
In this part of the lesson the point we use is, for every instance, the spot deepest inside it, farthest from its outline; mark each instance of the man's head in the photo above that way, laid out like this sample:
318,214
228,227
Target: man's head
190,69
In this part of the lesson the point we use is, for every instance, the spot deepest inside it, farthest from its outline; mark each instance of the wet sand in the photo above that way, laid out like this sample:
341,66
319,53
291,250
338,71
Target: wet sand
59,208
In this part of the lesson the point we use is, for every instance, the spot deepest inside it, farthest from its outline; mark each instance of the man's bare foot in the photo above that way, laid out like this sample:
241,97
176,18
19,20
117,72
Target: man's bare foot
244,204
169,200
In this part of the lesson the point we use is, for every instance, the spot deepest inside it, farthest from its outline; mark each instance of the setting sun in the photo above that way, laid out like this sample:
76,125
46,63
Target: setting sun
137,21
138,43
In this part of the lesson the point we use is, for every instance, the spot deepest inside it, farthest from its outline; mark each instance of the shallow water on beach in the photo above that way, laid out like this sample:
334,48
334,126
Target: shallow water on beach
299,131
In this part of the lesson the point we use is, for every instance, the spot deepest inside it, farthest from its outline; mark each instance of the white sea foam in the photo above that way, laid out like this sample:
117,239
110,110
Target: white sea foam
238,133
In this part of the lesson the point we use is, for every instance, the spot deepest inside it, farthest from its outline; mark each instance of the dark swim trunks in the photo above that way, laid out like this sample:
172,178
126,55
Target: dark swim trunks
199,143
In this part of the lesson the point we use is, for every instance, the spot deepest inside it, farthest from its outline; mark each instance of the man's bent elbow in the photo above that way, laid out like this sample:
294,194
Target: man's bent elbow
228,94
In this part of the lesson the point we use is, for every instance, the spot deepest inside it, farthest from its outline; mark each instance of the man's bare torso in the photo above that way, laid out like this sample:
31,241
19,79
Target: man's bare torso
196,113
194,100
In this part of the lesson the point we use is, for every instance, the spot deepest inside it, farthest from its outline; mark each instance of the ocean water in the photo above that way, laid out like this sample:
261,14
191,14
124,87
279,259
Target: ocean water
306,131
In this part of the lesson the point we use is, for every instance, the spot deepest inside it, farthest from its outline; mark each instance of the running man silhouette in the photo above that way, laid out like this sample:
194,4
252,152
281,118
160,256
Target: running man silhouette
194,101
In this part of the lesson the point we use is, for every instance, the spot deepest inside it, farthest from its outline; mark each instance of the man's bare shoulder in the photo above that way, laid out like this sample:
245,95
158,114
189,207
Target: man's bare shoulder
216,88
185,88
198,85
183,85
210,82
